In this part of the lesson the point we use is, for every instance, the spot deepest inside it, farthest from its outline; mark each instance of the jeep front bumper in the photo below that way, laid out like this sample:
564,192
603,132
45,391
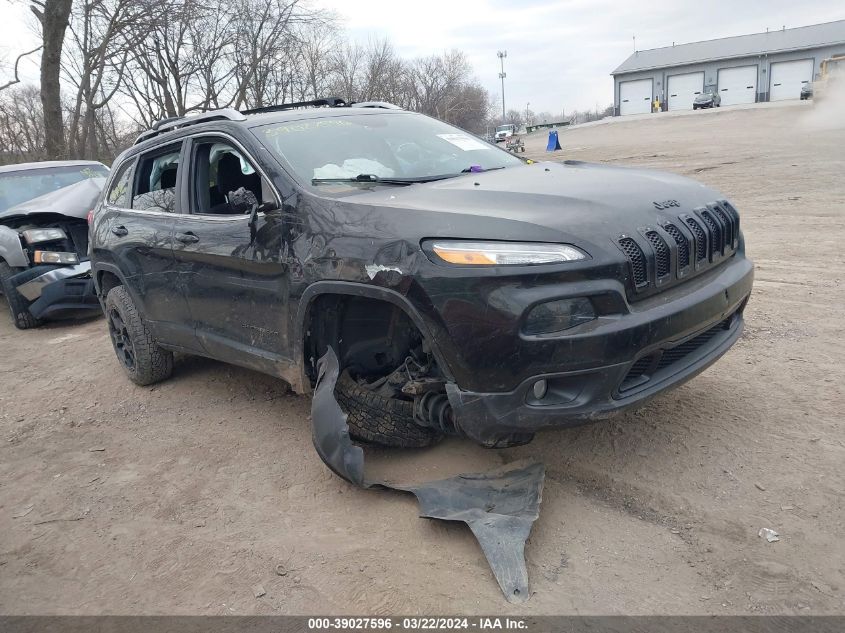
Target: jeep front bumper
652,348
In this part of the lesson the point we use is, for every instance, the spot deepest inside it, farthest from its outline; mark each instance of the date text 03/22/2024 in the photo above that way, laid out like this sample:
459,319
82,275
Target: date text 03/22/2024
417,623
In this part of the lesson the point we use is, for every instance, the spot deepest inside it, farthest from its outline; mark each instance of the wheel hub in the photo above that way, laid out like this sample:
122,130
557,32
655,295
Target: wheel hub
121,340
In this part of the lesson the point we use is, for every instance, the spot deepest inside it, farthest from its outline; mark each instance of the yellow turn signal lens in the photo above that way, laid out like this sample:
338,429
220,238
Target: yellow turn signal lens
52,257
471,258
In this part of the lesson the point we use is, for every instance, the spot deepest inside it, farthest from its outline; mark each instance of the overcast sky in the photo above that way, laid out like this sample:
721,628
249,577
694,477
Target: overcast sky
560,54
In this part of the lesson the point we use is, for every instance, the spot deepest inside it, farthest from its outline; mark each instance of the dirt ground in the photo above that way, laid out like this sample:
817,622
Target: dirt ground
181,498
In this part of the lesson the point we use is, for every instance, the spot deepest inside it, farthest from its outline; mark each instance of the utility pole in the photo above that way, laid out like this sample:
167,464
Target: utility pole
501,55
526,113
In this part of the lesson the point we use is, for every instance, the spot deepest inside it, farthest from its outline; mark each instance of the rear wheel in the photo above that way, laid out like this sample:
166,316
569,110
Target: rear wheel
18,304
141,357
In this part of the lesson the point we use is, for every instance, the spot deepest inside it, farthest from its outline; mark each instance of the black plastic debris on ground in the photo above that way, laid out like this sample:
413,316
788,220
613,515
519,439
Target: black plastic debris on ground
499,507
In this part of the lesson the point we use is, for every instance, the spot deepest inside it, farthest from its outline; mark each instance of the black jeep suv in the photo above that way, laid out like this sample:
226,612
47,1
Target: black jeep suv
464,290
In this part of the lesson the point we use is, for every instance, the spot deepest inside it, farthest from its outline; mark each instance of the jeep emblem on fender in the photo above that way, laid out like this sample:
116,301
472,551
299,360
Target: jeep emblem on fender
666,204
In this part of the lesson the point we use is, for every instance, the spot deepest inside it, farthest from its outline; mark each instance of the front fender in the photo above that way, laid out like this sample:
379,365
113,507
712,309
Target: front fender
11,249
301,320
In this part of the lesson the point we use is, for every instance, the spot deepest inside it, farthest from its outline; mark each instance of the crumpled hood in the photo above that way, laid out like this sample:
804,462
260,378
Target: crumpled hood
74,201
571,198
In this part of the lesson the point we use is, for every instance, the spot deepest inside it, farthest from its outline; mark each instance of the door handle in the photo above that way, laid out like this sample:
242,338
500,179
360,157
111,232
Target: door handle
120,231
187,238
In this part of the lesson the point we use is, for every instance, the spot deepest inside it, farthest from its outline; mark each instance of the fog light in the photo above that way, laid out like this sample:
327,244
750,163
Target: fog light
540,389
52,257
554,316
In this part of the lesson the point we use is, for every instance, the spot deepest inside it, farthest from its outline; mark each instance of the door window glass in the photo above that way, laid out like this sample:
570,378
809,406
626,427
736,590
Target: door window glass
118,195
225,182
156,182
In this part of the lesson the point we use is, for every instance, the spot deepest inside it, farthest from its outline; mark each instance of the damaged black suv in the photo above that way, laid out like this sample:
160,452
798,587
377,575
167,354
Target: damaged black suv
464,290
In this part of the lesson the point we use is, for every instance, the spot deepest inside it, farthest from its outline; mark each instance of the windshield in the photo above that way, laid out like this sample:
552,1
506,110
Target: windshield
19,186
395,145
505,128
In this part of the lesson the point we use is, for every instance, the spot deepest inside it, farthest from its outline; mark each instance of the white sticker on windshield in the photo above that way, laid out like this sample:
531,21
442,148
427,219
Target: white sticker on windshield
466,143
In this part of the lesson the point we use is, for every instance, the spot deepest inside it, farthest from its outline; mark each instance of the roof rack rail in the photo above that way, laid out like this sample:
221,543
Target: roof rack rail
172,123
375,104
327,102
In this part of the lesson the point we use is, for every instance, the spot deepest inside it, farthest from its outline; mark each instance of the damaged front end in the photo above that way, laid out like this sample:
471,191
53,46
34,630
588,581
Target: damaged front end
44,248
499,507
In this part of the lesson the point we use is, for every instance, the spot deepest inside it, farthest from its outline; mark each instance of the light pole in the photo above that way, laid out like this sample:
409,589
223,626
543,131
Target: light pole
526,113
501,55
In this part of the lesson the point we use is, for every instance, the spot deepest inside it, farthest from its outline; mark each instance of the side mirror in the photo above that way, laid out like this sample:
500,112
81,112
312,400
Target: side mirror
242,200
266,207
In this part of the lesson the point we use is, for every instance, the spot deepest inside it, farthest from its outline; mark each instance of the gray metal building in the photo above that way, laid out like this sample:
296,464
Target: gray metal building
767,66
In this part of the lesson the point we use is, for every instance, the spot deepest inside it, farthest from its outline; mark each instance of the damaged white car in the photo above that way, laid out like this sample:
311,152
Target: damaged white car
45,272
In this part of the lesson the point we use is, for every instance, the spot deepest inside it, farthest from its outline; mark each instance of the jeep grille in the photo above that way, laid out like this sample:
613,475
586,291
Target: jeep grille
661,256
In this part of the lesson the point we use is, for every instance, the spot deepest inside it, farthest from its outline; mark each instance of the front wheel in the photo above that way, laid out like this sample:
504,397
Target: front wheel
141,357
18,305
375,418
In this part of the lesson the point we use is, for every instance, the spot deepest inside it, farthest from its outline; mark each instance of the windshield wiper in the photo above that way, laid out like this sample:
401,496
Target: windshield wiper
472,169
372,178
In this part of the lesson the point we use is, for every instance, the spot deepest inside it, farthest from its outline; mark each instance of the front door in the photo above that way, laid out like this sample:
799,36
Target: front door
229,261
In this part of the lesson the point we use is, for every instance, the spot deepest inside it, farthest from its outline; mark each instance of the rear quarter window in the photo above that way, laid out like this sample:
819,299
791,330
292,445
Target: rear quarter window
118,193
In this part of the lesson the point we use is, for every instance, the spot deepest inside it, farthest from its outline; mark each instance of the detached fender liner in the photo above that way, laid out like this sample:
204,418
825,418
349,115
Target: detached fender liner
499,507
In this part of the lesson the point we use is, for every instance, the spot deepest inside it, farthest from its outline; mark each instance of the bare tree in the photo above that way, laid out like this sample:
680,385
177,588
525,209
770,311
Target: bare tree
21,125
16,78
128,63
53,16
101,38
316,43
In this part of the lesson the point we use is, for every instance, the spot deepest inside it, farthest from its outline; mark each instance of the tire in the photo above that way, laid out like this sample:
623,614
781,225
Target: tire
140,356
374,418
18,305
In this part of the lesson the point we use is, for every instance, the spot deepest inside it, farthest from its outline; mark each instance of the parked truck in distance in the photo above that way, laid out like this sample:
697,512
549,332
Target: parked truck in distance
504,132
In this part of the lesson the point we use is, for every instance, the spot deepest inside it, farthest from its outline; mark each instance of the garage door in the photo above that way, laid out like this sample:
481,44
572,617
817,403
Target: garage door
635,96
738,85
683,89
788,77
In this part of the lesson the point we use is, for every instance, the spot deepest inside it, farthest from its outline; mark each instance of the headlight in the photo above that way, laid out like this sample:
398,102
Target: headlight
52,257
504,253
554,316
34,236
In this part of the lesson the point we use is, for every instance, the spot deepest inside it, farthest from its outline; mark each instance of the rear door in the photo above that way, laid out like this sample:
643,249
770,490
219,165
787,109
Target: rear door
683,89
232,271
787,79
140,210
738,85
